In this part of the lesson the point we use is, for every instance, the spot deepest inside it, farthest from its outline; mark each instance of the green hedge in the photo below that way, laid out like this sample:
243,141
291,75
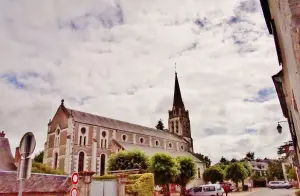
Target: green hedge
41,168
104,177
143,185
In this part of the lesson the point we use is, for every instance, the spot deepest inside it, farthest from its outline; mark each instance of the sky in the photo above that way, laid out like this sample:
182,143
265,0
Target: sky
116,58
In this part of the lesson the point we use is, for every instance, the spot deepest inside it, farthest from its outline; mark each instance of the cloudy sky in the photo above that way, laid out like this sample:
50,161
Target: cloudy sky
116,58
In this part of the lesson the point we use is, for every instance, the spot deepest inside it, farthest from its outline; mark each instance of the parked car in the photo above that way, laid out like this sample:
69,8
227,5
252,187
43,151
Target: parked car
206,190
279,184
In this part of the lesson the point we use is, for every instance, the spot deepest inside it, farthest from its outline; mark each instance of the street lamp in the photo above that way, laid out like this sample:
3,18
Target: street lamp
279,127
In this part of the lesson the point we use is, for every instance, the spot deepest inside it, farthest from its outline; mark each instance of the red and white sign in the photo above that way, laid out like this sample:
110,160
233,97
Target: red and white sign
75,178
74,192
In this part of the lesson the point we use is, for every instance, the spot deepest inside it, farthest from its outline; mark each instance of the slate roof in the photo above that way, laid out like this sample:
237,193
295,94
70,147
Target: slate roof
42,183
7,162
152,150
101,121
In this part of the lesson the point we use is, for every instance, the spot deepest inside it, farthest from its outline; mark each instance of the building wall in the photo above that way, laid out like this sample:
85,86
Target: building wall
287,19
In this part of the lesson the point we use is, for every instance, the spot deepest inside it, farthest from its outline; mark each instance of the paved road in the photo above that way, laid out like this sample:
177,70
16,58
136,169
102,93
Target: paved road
267,192
274,192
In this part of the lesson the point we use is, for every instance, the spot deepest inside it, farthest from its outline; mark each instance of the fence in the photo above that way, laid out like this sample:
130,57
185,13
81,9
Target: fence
104,188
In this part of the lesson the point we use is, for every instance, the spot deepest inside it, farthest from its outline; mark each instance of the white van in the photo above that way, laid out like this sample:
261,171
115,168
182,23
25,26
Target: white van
206,190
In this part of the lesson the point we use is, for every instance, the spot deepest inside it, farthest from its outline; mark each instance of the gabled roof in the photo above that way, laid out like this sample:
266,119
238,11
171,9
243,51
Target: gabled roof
149,151
37,183
7,162
101,121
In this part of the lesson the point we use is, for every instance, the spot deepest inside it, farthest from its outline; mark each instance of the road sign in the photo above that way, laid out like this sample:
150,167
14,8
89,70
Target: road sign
27,145
74,192
24,170
75,178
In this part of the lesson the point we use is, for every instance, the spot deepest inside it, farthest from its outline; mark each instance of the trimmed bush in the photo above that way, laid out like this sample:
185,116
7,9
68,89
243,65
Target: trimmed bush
143,186
41,168
104,177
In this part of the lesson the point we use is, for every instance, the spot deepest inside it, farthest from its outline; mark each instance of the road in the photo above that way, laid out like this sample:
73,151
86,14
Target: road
274,192
267,192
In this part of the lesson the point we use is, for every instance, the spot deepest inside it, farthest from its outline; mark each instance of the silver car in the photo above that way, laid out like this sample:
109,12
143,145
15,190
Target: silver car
279,184
206,190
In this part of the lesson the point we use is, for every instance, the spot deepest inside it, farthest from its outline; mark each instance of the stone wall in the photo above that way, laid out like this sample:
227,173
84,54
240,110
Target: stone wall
286,14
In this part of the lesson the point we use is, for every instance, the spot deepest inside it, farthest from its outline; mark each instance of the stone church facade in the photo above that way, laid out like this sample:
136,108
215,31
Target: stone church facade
79,141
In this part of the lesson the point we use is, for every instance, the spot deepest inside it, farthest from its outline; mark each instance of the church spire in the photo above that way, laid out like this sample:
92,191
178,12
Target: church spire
177,100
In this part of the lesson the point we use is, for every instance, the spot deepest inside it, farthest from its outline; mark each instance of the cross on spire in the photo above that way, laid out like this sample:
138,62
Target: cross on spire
2,134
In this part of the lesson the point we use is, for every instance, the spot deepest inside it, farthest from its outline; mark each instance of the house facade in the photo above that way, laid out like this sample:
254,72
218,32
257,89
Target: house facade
79,141
282,20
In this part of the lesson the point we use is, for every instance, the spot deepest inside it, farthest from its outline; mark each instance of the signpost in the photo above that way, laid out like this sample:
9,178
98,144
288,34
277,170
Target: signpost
26,148
74,192
75,178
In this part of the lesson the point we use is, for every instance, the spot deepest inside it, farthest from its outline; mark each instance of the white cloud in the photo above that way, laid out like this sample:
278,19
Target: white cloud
116,59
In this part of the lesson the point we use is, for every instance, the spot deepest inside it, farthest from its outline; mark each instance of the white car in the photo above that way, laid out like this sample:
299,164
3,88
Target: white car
206,190
279,184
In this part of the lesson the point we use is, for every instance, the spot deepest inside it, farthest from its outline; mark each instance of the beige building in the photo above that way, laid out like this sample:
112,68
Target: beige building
283,22
79,141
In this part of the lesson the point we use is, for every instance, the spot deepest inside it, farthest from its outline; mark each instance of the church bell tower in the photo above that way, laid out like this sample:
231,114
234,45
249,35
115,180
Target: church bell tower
179,121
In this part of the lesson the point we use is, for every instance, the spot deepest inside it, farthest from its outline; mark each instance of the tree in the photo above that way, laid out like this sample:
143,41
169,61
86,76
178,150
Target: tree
248,170
203,158
187,171
233,160
213,174
165,170
39,157
124,160
280,150
274,171
291,172
250,155
160,125
236,172
224,161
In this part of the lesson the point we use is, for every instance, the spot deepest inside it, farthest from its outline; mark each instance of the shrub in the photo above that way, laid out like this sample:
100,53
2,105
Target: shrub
105,177
41,168
143,185
124,160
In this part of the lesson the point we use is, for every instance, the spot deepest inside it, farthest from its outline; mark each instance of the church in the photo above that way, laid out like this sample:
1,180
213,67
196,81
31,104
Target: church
80,141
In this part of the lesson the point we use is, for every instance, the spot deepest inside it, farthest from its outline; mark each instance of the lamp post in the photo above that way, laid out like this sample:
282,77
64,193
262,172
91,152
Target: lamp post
279,127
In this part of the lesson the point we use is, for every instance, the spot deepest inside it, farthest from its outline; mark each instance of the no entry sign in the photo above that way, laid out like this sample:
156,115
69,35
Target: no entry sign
75,178
74,192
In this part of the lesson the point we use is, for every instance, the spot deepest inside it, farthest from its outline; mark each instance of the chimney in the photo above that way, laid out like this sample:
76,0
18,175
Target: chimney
17,157
2,134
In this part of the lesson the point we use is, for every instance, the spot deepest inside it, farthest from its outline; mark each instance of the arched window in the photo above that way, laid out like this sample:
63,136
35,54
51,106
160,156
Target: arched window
82,137
172,127
199,174
81,162
102,164
142,140
156,143
176,127
56,141
170,145
55,160
103,141
124,137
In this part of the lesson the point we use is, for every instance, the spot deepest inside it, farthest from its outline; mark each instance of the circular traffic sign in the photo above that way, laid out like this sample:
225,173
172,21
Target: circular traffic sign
75,178
27,145
74,192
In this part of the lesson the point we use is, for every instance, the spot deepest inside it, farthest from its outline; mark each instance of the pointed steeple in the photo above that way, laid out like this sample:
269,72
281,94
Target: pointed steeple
177,100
